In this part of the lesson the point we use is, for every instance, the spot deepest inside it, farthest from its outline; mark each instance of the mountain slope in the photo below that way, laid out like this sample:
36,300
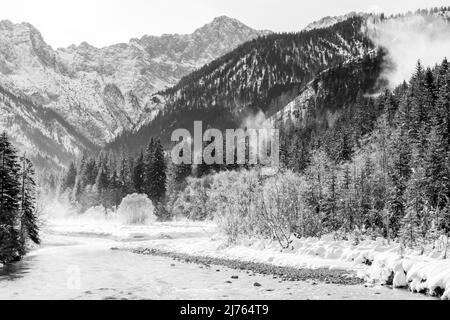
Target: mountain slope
273,73
262,74
101,92
41,133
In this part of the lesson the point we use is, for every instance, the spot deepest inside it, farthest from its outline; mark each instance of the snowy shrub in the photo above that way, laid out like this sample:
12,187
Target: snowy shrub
233,198
136,209
280,210
246,204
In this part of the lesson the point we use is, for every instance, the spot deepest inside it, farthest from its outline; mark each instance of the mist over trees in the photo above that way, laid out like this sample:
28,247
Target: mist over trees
108,178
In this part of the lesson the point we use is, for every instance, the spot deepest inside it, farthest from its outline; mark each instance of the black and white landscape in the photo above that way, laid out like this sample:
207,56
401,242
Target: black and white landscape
93,205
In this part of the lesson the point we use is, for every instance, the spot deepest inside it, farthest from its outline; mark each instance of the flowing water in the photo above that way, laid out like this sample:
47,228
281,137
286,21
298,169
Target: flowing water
68,267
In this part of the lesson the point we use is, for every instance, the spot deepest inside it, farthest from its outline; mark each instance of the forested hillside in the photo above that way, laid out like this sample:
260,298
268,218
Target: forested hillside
263,74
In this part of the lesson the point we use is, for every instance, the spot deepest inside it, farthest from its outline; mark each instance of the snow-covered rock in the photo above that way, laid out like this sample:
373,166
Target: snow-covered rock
329,21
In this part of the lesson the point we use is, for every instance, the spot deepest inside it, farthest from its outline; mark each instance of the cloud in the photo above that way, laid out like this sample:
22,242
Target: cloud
409,39
257,121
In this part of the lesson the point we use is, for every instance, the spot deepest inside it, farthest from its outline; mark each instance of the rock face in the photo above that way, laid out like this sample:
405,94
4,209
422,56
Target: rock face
101,92
329,21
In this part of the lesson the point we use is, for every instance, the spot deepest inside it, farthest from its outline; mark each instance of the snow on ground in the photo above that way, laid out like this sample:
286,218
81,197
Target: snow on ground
84,268
375,261
372,260
385,263
116,231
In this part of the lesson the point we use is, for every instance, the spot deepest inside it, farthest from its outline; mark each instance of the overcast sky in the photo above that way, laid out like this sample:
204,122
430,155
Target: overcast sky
105,22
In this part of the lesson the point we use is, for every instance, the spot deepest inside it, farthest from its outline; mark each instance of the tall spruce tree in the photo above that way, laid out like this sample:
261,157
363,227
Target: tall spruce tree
114,190
138,174
124,174
148,167
102,183
10,245
400,170
156,177
28,219
70,177
410,231
346,207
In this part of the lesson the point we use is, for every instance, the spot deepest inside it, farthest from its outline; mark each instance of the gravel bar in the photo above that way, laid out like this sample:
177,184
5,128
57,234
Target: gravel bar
340,277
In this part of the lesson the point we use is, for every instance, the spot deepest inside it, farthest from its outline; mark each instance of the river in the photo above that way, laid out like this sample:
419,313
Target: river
68,267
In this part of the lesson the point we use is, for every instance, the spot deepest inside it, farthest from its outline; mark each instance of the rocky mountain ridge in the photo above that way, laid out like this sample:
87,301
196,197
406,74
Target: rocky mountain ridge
101,92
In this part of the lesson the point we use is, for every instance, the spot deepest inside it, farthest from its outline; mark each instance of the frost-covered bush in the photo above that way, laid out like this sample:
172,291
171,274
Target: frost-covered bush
136,209
280,210
232,199
244,203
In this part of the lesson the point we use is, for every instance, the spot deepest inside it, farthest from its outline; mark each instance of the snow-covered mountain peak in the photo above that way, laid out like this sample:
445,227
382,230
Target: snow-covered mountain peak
224,19
22,45
100,92
329,21
22,32
224,22
227,24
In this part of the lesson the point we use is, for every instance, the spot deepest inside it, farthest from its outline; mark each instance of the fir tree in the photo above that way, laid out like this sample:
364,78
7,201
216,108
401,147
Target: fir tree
346,200
138,174
90,172
28,219
10,245
114,190
400,169
102,183
124,174
70,177
331,201
156,174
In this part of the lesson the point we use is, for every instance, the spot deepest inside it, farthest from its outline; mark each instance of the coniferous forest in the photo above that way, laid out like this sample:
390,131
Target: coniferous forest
380,168
18,215
108,178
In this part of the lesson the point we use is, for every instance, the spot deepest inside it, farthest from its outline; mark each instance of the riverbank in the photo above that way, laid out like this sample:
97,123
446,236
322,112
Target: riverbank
324,260
324,275
84,268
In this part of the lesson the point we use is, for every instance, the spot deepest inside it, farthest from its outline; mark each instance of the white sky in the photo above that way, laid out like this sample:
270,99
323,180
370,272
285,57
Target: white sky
105,22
